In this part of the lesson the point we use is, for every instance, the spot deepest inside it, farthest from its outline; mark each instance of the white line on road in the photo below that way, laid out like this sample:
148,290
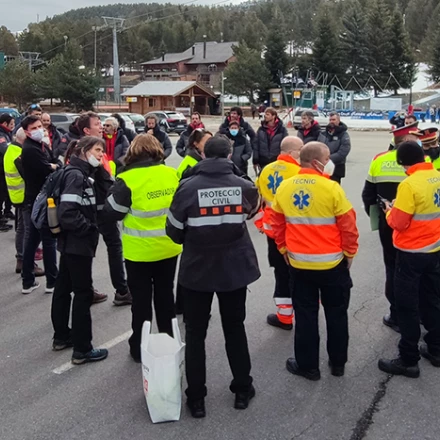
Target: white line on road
68,365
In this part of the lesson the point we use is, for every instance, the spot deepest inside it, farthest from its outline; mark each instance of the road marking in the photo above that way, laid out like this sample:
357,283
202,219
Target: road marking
68,365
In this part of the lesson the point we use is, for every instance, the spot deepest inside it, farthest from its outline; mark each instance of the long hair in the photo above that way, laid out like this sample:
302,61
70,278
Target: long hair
82,145
145,146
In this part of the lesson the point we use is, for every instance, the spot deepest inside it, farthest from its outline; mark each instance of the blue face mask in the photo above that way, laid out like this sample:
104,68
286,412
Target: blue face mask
419,142
233,132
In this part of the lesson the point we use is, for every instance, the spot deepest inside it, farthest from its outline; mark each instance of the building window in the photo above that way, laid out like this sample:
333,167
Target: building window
151,102
205,79
212,68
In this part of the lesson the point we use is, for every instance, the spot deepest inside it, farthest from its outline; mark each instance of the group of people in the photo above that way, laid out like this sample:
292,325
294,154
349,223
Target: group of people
200,212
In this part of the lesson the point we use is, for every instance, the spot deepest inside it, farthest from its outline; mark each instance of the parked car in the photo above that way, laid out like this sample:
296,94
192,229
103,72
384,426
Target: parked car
170,122
320,117
62,121
128,121
12,111
138,121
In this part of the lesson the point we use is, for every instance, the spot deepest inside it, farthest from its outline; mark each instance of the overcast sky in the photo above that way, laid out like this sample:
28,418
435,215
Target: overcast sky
17,14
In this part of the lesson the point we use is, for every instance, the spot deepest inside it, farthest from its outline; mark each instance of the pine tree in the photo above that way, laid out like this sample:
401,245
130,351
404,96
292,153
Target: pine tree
275,57
435,57
403,65
380,42
326,50
354,47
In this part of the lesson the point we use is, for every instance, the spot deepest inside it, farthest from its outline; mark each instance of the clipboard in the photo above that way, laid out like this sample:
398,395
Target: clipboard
374,217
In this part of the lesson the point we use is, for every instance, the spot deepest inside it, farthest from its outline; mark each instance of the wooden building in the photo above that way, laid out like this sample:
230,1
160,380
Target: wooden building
181,96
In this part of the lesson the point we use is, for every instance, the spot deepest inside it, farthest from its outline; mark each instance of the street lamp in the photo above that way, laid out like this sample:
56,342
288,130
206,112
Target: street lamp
222,98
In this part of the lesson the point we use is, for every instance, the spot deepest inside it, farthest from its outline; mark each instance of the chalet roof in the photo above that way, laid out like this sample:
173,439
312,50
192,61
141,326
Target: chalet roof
164,88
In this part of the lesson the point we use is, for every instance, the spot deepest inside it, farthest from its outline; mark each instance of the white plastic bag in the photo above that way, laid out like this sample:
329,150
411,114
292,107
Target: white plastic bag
162,368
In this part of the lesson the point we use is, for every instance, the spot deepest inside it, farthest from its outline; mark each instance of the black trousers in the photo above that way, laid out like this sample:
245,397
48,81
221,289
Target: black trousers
334,286
5,201
151,282
75,275
389,259
233,313
281,270
417,291
112,237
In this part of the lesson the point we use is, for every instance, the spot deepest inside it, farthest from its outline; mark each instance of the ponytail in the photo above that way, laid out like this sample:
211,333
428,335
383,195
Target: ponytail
70,150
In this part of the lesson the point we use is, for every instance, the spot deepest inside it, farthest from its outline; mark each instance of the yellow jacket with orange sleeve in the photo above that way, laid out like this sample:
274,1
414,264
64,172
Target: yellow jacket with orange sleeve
268,182
313,221
415,215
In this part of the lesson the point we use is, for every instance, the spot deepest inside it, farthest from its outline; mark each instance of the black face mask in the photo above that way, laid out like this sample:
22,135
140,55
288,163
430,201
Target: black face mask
434,153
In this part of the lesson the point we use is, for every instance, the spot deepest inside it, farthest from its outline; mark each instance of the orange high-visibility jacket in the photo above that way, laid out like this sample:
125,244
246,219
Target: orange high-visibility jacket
313,221
268,182
415,216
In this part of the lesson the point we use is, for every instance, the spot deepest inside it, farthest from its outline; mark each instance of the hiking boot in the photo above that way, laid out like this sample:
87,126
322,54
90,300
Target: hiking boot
391,323
18,266
59,344
434,359
336,370
94,355
38,271
30,289
5,227
293,367
49,290
197,408
9,215
398,368
242,399
99,297
273,320
122,300
38,255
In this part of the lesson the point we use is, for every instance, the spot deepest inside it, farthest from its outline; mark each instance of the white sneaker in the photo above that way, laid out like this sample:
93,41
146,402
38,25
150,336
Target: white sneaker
34,286
49,290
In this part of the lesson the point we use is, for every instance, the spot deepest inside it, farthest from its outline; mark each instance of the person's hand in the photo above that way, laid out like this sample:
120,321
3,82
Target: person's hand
349,262
388,206
286,259
150,131
54,166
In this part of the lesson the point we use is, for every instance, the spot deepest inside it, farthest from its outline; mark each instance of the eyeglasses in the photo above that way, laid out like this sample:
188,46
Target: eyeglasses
108,125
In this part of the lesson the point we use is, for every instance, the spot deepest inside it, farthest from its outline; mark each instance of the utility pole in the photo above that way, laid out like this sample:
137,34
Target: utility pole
116,24
95,29
223,95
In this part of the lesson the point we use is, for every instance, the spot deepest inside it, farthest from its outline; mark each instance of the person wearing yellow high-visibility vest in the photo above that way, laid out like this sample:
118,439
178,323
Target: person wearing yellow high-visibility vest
15,185
141,198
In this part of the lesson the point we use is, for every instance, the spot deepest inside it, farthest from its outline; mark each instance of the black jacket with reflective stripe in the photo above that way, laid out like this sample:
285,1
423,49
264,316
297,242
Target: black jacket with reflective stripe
208,216
77,210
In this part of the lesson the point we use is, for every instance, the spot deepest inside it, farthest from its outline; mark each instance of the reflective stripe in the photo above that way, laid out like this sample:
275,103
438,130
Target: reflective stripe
116,206
259,216
391,179
217,220
311,220
15,187
148,214
316,258
100,207
425,217
89,191
286,311
74,198
283,301
175,222
143,234
267,227
12,175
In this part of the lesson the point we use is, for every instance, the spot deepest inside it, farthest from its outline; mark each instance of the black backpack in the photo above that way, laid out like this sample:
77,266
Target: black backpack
51,189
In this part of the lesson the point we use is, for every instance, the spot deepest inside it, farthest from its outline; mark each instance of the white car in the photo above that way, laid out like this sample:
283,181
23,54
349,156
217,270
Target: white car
320,117
128,121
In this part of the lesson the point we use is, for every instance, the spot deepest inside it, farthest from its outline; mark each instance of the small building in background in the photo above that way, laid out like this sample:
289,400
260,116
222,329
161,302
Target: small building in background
180,96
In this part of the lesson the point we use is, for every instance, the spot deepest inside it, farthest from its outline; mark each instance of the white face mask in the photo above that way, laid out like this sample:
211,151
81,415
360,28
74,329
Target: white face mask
329,168
93,161
37,135
46,140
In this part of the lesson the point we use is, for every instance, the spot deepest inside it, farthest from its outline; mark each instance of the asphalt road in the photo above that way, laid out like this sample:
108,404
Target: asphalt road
43,398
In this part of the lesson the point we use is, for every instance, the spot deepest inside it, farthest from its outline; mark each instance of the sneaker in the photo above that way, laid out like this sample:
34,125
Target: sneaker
94,355
59,344
18,266
38,271
38,255
398,368
391,323
27,290
9,215
99,297
5,228
273,320
434,359
197,408
122,300
49,290
337,371
293,367
242,399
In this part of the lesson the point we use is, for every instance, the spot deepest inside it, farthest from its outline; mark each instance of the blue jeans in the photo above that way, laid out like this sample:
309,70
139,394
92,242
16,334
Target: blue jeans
31,241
